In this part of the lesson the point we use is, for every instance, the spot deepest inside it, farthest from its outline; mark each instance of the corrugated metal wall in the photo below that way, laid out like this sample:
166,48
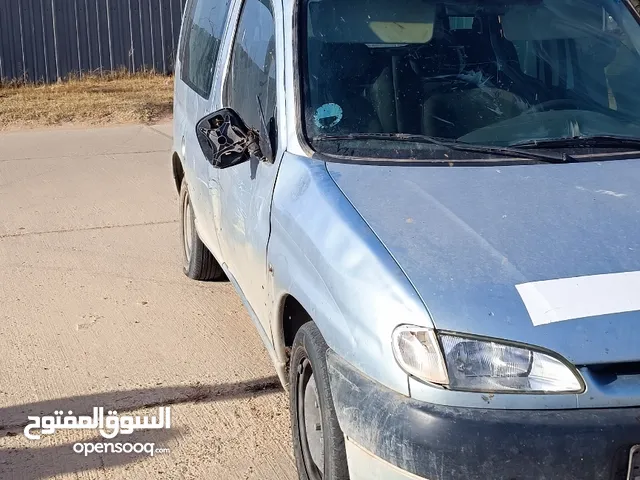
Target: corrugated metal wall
44,40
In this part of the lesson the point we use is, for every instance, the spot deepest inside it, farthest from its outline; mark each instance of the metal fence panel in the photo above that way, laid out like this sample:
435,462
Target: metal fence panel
46,40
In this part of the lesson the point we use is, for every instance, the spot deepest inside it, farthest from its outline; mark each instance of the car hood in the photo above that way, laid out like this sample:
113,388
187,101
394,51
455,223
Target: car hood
547,255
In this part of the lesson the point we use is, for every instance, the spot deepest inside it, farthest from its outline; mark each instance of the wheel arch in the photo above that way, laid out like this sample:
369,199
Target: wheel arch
291,314
178,170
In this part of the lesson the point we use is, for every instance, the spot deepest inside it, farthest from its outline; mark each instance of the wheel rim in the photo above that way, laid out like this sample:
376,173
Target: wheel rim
187,228
310,422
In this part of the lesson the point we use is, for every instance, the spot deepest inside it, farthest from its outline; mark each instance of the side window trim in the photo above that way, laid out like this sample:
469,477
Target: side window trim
224,55
231,38
184,33
228,61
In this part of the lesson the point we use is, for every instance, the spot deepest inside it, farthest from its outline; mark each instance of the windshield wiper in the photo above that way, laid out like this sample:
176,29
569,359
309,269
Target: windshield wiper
582,141
454,145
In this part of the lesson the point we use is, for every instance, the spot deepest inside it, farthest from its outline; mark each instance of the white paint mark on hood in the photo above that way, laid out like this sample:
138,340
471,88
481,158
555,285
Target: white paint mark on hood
550,301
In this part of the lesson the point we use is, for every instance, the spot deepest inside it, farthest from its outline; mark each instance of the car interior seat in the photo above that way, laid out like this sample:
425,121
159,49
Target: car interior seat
419,73
481,96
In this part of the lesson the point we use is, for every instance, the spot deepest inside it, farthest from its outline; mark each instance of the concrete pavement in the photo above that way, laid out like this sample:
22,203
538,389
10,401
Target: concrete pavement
95,311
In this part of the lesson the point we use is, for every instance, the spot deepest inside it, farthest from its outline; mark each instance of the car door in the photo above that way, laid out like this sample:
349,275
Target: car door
253,88
204,26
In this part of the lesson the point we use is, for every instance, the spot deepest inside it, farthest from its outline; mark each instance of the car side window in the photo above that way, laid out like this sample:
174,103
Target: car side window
251,82
205,22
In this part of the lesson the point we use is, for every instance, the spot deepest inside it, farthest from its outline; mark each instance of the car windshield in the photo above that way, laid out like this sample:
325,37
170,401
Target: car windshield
479,72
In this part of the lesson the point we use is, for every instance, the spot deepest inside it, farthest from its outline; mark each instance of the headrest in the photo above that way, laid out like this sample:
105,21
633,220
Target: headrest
347,61
371,21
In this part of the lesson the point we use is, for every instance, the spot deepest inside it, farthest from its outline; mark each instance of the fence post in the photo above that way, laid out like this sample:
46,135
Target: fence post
87,34
44,45
141,33
99,39
24,60
132,50
55,39
153,47
109,35
164,56
75,5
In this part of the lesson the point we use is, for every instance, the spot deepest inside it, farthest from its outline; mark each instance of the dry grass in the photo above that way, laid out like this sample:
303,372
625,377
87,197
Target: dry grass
91,100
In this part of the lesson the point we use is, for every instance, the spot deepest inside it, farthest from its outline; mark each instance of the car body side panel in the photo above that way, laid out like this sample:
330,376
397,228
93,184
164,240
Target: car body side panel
246,192
196,166
202,178
187,105
278,362
326,256
179,109
180,114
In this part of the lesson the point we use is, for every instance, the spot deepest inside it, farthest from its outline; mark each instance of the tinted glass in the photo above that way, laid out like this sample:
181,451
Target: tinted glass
252,74
205,22
477,71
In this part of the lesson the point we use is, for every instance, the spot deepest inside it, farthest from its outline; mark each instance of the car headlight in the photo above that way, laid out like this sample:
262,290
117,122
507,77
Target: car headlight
481,365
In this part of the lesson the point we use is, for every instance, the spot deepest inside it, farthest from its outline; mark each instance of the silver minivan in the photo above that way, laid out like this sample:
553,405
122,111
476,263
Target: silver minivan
431,210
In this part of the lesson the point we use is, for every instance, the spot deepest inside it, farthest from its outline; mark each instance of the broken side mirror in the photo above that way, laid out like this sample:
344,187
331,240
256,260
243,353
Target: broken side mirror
226,140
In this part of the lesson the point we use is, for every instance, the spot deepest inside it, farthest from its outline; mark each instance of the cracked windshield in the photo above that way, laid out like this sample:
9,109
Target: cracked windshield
487,73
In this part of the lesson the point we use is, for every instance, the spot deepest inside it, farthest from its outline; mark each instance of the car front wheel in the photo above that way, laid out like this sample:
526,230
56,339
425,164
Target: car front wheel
318,441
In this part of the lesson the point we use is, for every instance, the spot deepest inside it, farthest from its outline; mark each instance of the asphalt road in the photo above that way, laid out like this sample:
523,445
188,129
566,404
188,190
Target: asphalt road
95,311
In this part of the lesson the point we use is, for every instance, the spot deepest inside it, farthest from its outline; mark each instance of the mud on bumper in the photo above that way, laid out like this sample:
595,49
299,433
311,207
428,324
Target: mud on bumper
446,443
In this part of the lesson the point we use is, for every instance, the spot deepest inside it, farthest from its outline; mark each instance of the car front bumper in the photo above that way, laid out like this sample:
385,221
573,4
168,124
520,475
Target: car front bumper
390,436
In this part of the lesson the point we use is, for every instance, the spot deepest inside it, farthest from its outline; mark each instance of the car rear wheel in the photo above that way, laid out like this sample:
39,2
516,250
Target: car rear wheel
318,442
197,261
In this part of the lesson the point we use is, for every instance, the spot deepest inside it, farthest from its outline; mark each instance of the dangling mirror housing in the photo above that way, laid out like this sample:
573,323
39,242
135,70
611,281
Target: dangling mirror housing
226,140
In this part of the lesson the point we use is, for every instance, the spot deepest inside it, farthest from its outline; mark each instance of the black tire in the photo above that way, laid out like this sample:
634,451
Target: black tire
308,356
197,261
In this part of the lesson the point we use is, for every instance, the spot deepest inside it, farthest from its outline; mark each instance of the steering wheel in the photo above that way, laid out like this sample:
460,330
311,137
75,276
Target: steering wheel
560,104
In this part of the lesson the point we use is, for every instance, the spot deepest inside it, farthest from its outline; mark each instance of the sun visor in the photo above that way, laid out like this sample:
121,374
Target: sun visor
371,21
552,21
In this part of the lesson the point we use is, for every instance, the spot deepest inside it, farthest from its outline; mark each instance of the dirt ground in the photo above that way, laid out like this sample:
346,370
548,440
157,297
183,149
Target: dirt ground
113,98
95,311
